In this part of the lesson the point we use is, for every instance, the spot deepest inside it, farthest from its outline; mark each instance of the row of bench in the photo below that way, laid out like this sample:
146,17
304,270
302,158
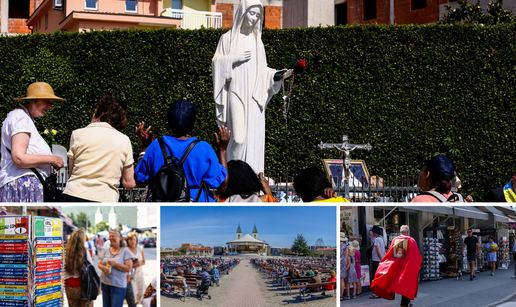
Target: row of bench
302,283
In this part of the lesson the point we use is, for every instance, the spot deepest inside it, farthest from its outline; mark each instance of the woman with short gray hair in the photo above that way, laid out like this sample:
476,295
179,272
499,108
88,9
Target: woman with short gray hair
116,264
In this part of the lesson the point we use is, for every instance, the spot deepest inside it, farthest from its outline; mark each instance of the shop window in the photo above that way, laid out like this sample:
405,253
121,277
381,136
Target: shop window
418,4
341,14
369,9
19,9
130,6
91,5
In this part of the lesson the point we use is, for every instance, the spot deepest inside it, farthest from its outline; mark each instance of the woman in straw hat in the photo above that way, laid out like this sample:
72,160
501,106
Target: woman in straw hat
23,147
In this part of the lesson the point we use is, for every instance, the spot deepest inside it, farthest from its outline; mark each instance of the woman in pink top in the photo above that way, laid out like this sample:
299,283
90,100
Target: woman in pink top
358,268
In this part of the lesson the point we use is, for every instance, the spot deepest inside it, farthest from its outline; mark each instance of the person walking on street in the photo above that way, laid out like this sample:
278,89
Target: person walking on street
491,248
378,252
473,252
399,272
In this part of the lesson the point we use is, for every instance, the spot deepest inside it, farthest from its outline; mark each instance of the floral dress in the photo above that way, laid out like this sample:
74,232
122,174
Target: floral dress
137,279
343,262
352,273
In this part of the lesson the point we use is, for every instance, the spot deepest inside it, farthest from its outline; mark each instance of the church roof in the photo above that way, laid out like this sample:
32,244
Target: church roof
247,238
254,229
238,229
98,211
112,210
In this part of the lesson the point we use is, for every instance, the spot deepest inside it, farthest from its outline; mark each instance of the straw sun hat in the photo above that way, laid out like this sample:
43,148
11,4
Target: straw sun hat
40,90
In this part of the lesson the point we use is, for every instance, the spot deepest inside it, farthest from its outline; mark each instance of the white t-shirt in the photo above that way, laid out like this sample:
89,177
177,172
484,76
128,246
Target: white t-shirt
19,121
378,241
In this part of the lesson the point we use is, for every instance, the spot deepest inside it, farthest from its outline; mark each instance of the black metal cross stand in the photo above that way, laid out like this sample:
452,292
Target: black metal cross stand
346,148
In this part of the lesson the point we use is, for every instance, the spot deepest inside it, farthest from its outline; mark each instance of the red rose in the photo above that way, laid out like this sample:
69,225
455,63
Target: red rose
301,63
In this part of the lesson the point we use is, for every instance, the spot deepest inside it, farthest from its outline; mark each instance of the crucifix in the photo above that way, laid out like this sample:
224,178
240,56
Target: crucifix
346,148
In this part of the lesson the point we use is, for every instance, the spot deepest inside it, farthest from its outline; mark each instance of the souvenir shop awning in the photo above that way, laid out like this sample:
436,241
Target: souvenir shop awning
434,209
470,212
507,211
498,216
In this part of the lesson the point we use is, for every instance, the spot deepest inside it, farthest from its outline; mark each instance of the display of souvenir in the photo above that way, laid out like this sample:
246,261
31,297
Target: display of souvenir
431,259
503,253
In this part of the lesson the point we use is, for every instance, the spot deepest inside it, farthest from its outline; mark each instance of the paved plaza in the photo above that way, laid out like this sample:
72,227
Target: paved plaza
246,287
486,291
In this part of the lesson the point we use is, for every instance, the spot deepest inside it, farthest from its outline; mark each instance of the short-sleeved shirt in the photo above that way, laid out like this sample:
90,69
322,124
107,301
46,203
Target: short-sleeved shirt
117,278
429,198
100,153
202,164
471,244
18,121
378,241
488,246
215,273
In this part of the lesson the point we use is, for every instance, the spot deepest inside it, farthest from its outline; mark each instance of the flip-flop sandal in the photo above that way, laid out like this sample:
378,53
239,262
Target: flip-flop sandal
347,298
374,296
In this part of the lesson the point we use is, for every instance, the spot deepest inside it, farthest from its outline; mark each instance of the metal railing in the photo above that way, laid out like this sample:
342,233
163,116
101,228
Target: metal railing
396,188
195,19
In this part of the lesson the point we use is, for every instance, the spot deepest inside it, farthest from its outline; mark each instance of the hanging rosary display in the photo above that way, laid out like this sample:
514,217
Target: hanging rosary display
298,66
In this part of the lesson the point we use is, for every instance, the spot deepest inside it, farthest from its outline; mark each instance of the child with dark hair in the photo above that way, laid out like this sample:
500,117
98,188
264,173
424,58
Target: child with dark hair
244,185
312,186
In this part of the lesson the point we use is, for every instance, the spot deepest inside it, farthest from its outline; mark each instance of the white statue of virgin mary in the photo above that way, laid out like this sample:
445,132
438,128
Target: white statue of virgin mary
243,85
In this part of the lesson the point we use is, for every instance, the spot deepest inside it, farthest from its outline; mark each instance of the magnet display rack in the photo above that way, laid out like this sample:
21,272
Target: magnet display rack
454,252
430,259
48,262
503,253
15,253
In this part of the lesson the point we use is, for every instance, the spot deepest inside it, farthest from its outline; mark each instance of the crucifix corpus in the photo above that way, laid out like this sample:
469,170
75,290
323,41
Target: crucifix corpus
346,148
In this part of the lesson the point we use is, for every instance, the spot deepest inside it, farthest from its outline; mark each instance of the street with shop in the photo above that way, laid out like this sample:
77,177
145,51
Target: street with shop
485,291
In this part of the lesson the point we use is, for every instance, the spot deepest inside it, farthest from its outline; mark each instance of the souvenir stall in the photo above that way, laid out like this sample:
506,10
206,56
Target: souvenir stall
503,254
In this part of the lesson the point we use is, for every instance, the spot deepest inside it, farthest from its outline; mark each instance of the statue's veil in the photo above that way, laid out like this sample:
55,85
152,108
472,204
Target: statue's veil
242,9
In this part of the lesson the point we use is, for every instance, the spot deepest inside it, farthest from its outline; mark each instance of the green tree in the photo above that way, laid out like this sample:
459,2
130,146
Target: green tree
101,226
72,217
82,220
299,245
469,13
182,250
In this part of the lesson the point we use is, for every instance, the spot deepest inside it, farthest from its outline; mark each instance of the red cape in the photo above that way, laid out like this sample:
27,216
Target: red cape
397,275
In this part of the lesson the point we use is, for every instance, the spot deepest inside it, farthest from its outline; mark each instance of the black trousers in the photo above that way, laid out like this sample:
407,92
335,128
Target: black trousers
404,301
374,267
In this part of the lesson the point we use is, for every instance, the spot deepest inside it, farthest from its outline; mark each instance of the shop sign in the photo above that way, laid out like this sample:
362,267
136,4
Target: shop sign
14,225
47,227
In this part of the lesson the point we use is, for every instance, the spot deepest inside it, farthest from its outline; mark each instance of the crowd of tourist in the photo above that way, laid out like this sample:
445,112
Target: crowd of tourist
121,265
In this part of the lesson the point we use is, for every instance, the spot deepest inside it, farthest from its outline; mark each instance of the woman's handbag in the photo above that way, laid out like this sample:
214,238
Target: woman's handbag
50,191
369,252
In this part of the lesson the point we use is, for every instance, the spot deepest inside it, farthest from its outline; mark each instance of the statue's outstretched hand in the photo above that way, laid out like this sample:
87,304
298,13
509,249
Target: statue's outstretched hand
144,135
242,57
225,135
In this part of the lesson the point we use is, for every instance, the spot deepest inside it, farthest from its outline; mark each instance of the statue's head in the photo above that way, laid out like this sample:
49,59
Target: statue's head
252,16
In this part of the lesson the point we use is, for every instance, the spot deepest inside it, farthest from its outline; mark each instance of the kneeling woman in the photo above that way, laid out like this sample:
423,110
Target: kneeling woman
116,264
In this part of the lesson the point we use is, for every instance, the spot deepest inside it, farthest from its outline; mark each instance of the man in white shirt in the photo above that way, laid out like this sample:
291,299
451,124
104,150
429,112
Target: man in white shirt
378,252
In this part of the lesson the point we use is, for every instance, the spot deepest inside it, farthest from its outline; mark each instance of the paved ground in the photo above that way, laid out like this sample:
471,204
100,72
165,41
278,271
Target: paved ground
486,291
245,287
150,269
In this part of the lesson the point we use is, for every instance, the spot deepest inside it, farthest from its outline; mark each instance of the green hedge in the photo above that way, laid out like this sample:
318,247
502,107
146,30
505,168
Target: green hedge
410,91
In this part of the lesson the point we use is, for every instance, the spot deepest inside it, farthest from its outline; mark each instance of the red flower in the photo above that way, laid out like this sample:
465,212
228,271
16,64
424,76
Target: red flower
301,63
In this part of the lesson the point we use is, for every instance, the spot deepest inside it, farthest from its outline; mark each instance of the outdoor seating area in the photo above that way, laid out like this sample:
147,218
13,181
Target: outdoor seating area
193,283
298,274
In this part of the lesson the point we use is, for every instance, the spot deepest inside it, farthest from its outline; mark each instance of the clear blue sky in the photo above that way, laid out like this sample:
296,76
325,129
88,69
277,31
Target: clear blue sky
217,225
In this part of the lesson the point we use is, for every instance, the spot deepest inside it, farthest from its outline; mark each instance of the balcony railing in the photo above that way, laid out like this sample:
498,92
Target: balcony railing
195,19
